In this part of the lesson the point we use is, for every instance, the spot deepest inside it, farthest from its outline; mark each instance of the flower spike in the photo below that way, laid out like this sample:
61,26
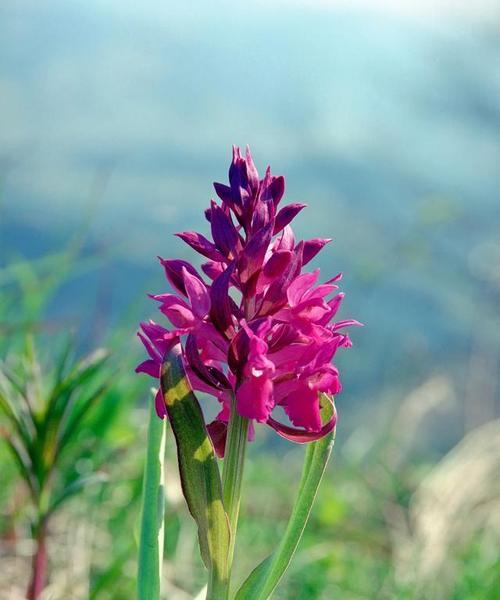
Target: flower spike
260,328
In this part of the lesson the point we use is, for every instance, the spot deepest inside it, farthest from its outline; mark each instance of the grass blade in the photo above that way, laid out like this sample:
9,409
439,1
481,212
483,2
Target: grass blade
153,508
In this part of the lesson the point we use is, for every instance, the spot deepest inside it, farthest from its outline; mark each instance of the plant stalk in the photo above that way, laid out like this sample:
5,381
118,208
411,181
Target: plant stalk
39,562
233,476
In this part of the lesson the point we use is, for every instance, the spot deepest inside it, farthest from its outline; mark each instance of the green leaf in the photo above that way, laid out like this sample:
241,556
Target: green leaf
23,463
79,377
201,482
75,487
264,579
15,387
61,402
16,420
153,507
77,415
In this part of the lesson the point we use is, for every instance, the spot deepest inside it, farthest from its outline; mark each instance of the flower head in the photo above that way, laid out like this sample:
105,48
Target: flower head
253,326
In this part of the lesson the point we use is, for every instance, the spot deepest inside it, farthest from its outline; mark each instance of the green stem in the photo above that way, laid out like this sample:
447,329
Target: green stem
233,476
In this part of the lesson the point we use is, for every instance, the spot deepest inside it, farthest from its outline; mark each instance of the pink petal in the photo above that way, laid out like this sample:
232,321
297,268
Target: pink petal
212,269
321,291
173,270
220,311
197,294
302,408
312,309
200,243
223,191
179,315
346,323
217,430
161,339
312,247
301,436
274,267
286,216
300,285
287,240
252,173
277,189
337,277
161,409
150,367
254,398
224,232
153,353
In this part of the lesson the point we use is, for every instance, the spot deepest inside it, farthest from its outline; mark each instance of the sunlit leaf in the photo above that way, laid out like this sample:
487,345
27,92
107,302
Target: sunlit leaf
198,468
264,579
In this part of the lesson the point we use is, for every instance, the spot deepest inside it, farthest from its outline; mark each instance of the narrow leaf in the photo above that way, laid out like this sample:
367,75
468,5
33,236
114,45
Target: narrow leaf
19,388
200,478
264,579
75,487
23,463
16,420
77,415
152,517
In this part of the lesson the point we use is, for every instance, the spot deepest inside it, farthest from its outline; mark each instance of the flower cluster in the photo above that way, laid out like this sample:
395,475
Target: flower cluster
259,330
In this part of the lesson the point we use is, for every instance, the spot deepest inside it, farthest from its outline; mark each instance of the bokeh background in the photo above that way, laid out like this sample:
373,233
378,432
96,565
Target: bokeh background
384,117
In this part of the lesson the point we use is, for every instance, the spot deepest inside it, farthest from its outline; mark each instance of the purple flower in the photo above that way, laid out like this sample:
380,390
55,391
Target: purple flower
258,329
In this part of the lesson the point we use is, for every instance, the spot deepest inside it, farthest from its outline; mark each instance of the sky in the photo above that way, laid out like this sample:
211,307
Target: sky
144,93
384,117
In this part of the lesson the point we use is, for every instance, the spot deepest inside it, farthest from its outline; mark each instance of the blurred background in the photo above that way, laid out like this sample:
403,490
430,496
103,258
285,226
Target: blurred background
384,117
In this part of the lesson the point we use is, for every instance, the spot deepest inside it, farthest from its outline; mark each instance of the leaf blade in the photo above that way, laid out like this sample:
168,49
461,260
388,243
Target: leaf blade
265,577
200,477
152,514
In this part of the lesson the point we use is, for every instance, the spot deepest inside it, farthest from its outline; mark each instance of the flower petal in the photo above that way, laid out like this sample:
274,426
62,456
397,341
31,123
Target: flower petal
220,311
177,311
217,430
160,407
210,375
302,407
197,294
212,269
254,252
286,216
302,436
254,398
312,247
238,180
150,367
276,294
277,189
173,272
225,236
346,323
224,192
300,285
200,243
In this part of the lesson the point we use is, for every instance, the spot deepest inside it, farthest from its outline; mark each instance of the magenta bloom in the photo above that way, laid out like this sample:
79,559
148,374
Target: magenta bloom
255,326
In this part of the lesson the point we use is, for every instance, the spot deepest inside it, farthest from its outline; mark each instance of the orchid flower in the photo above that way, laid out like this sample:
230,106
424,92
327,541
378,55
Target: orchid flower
253,329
